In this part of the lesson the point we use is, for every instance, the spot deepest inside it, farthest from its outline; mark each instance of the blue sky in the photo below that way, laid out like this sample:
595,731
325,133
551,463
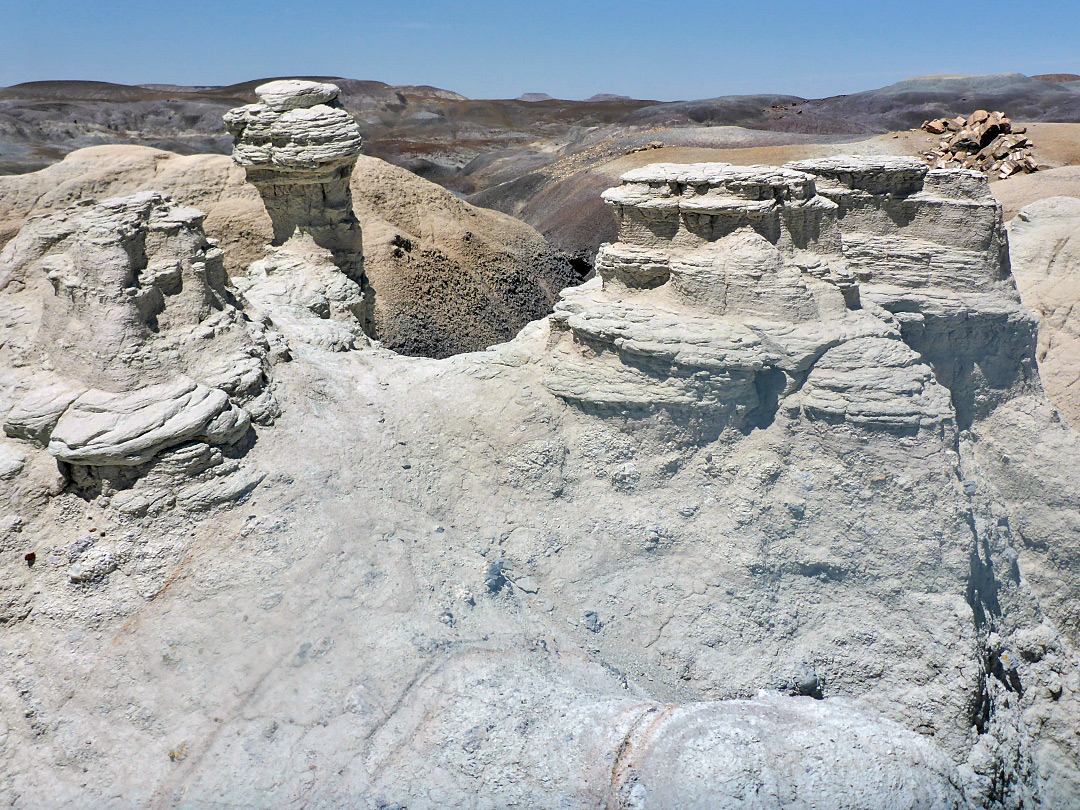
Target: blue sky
642,48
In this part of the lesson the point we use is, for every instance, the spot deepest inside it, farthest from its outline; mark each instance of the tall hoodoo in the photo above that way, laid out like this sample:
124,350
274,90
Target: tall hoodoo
298,146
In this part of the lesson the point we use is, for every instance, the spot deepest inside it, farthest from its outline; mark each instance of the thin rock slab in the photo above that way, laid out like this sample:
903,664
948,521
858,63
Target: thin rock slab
128,429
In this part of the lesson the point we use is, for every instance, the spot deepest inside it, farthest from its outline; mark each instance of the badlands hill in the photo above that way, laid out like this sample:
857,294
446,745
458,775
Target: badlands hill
773,511
540,159
42,121
903,105
438,133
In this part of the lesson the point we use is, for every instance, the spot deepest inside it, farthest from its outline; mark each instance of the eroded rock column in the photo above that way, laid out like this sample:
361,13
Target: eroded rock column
298,146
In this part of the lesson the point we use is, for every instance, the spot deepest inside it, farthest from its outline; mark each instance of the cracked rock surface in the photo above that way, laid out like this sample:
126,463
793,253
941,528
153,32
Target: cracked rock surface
118,314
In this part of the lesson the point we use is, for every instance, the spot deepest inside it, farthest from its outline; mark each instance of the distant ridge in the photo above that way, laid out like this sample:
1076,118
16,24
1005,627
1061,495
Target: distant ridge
1057,78
470,144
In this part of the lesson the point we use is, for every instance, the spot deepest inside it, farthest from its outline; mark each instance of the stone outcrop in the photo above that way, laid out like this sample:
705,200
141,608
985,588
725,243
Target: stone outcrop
139,345
103,429
441,276
766,752
450,277
298,146
865,297
930,248
729,284
1044,241
772,511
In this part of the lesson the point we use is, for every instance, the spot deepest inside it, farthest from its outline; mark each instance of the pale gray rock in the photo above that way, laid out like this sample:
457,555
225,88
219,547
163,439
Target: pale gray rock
96,564
288,94
769,751
930,247
130,292
37,413
296,126
105,429
311,299
612,563
726,287
298,146
868,294
130,307
1044,244
847,384
12,460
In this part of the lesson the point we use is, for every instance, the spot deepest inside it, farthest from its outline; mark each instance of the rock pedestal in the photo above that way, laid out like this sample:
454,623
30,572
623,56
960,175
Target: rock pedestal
298,146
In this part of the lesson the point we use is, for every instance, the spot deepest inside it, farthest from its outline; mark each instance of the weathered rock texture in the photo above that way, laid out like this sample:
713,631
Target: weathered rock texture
871,295
1045,246
765,752
774,511
451,277
763,270
298,146
132,344
930,248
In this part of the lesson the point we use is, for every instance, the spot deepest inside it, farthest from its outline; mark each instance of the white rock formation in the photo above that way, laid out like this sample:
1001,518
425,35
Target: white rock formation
450,277
766,752
444,276
1044,241
727,286
298,146
134,344
291,94
931,248
104,429
773,511
865,293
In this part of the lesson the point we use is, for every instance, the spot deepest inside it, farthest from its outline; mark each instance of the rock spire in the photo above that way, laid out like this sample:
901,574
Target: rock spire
298,146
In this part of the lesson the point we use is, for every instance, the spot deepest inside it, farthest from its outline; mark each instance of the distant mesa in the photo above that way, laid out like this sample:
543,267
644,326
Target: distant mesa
598,97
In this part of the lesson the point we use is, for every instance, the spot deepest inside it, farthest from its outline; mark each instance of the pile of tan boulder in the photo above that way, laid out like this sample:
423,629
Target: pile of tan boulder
984,141
646,148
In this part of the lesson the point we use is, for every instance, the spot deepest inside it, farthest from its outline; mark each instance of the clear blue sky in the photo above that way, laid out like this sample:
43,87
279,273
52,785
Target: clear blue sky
485,49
